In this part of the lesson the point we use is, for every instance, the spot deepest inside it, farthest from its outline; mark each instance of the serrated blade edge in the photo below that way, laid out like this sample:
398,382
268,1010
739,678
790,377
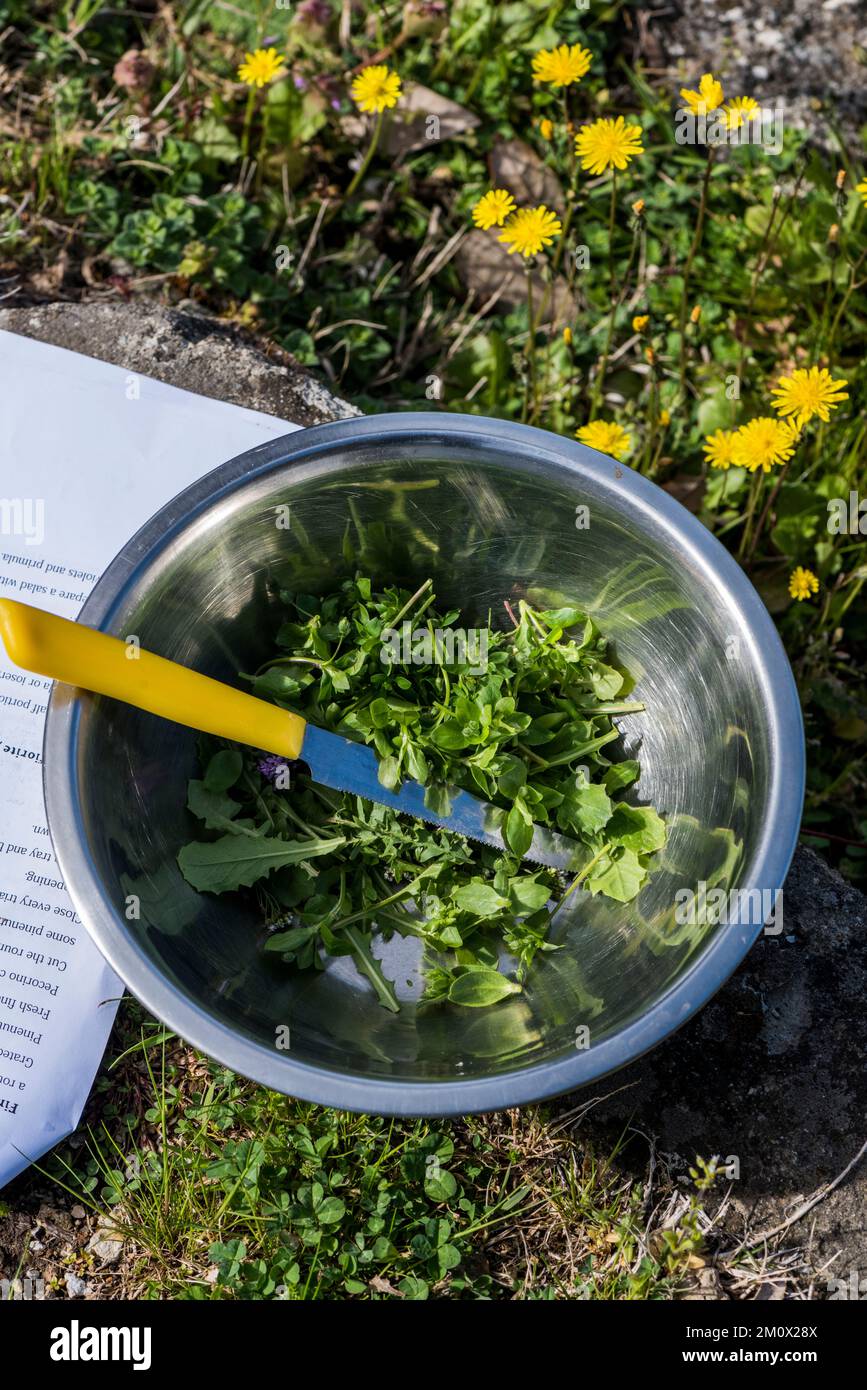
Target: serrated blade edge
346,766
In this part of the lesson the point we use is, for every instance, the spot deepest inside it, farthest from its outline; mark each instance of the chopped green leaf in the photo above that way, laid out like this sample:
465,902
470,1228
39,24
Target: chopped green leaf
479,988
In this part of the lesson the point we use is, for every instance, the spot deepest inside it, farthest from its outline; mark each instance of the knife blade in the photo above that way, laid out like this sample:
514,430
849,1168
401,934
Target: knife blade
346,766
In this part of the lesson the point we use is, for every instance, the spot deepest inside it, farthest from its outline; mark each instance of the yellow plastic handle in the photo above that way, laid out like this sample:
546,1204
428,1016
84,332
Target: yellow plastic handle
79,655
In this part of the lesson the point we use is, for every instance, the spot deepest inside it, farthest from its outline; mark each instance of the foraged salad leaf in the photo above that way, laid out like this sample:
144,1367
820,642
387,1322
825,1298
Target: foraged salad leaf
521,714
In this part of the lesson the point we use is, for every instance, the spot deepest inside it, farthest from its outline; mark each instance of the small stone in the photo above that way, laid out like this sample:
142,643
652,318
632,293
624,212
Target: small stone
75,1287
78,1213
107,1251
106,1244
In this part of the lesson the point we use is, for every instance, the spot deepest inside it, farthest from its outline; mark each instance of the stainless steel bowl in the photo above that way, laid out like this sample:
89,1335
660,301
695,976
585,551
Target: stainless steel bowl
489,509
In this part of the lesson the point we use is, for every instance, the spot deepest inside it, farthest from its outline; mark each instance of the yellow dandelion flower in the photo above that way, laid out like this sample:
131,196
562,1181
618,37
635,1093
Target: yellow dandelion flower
640,322
794,429
546,128
529,230
718,448
493,209
376,88
739,110
695,313
807,392
802,583
862,189
607,144
561,66
606,436
664,417
709,96
762,443
261,67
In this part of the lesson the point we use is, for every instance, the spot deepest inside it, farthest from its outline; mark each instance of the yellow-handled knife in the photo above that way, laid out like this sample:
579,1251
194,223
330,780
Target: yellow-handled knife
81,656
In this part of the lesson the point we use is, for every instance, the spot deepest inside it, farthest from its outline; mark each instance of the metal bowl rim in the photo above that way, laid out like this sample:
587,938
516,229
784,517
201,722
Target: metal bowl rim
713,965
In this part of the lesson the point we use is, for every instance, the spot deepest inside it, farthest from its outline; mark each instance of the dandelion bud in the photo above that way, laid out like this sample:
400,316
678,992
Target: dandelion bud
833,233
841,177
546,128
695,314
650,355
664,417
638,207
567,335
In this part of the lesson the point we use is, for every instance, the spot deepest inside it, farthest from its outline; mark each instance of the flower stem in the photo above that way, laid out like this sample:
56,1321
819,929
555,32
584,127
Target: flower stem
598,384
248,122
751,507
765,251
772,497
371,150
530,349
696,242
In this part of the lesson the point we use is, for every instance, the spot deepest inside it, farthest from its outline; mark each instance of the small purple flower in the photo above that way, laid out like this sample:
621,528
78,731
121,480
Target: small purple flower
273,768
300,82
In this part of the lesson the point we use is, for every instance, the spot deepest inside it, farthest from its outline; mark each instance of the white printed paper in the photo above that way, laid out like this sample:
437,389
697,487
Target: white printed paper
88,452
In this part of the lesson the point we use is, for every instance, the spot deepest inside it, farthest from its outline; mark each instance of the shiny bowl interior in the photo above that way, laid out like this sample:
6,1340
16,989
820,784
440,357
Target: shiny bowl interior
490,511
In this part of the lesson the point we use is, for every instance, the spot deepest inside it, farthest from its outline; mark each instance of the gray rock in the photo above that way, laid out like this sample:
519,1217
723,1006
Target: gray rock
195,352
806,54
75,1287
106,1243
106,1250
771,1072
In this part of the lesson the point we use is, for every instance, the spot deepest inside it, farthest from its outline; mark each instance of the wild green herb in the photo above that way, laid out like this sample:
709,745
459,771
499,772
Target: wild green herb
529,730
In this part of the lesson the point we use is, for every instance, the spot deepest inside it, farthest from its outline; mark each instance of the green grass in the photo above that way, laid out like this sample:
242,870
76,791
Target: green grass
223,1189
